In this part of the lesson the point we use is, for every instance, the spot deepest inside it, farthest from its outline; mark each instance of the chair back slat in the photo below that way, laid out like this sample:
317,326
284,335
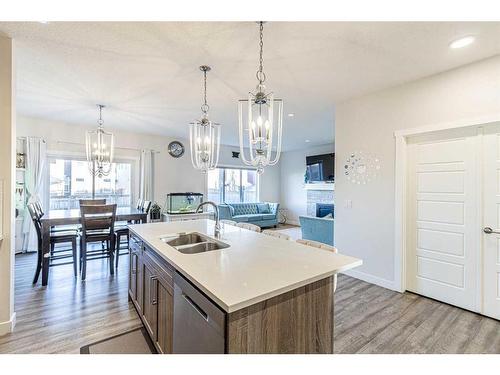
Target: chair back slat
38,207
100,218
91,202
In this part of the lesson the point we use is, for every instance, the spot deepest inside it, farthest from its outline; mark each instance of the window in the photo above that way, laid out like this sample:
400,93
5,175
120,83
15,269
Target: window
232,185
71,180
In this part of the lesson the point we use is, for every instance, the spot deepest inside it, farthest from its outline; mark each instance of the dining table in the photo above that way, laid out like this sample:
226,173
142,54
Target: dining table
72,217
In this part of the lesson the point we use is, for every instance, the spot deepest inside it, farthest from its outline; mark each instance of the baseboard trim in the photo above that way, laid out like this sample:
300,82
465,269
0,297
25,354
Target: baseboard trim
8,326
293,222
384,283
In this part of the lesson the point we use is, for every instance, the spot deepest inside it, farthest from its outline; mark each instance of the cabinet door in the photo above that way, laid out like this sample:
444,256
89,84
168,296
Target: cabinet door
165,316
150,307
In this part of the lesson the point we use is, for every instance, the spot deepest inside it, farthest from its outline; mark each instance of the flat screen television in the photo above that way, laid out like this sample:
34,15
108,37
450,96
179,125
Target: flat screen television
320,168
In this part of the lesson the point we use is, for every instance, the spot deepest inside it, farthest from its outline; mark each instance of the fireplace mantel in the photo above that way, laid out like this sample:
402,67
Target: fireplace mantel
320,186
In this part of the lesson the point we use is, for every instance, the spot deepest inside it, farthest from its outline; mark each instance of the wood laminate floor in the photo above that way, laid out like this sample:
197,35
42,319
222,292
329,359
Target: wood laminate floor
371,319
69,314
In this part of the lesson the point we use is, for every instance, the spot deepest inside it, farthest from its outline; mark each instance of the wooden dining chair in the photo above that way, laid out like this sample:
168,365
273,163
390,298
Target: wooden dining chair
146,206
122,231
95,202
69,236
274,233
98,225
139,203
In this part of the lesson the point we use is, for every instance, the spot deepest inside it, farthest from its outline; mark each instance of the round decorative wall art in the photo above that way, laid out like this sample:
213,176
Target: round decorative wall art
361,168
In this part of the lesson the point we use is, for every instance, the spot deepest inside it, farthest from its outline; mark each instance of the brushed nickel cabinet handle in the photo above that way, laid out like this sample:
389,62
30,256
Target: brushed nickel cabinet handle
152,296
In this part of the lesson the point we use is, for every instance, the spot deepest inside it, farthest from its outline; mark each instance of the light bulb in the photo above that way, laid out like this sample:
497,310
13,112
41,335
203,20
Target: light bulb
259,121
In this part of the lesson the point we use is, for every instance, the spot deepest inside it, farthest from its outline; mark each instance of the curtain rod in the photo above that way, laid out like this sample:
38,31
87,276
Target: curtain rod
120,148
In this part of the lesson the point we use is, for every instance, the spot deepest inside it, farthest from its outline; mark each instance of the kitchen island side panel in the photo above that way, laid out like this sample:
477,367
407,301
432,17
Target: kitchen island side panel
299,321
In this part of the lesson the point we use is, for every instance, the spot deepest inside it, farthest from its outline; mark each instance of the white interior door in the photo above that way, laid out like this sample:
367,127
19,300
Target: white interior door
443,227
491,209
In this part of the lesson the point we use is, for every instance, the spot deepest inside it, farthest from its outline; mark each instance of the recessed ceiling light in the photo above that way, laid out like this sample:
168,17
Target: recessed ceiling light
44,22
462,42
291,114
307,141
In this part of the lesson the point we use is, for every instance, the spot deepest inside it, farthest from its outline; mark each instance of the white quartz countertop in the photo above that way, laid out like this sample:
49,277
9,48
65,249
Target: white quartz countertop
254,268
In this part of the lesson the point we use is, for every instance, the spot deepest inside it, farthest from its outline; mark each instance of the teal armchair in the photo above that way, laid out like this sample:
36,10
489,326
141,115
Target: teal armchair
317,229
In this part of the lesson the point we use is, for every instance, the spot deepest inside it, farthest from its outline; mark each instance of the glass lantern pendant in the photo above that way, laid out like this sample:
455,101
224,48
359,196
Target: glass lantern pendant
99,148
204,135
261,118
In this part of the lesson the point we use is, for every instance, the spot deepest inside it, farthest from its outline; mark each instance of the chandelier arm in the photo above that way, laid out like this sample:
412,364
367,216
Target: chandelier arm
218,148
242,150
191,145
279,133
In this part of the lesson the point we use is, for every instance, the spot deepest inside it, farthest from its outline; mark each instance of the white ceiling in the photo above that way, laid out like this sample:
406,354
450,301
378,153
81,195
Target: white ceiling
147,73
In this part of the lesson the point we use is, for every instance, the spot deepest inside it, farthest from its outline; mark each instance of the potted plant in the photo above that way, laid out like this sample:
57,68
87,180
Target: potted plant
155,212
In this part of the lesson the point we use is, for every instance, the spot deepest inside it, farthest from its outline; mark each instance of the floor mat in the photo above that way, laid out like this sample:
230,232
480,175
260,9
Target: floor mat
136,341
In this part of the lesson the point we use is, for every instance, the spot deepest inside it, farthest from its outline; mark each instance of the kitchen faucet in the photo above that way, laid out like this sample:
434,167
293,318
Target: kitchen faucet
216,212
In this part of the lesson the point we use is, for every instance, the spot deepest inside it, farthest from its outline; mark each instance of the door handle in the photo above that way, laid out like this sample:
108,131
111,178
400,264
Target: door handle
488,230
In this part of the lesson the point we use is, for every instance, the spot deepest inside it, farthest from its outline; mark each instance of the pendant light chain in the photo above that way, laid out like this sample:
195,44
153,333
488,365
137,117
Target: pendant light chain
261,76
100,122
205,107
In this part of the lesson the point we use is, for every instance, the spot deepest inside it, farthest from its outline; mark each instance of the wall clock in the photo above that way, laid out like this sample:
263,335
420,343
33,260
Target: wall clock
176,149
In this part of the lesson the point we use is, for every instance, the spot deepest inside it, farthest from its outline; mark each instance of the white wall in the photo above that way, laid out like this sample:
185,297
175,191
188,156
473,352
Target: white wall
171,175
368,123
7,157
292,169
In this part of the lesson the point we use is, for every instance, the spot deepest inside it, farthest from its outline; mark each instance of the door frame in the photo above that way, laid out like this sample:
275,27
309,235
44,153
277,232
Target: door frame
400,188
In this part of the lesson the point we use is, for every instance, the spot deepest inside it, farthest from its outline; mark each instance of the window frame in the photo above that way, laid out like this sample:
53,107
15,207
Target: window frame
79,157
223,190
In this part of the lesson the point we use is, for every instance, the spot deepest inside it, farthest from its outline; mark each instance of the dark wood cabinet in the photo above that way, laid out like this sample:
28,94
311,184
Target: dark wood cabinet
135,274
165,304
152,292
150,308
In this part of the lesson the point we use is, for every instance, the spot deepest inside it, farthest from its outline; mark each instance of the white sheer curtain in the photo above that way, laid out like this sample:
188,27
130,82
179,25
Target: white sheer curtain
146,172
33,182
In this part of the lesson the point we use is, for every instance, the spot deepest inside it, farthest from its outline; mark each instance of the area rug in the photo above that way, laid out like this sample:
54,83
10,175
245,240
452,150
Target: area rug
136,341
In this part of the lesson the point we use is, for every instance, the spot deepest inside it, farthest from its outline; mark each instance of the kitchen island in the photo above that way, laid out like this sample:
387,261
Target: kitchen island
256,294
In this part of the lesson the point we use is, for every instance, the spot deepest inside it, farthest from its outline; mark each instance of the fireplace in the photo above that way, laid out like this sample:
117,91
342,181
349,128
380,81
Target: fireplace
323,209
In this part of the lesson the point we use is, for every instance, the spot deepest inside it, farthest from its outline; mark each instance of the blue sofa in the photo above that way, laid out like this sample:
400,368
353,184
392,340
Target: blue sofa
317,229
261,214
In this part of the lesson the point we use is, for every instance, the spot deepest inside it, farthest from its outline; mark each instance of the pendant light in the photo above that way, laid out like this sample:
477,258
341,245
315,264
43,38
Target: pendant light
204,135
259,122
100,148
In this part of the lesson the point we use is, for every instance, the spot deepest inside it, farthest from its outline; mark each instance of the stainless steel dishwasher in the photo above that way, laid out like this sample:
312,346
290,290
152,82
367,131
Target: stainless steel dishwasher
199,324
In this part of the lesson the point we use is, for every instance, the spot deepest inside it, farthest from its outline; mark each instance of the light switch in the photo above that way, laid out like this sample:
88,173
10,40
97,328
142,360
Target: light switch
348,203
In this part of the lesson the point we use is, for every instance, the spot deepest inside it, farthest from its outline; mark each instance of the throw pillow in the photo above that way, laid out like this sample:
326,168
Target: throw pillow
263,208
329,216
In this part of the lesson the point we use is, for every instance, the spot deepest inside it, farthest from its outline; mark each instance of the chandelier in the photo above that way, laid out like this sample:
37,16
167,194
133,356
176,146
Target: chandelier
204,135
259,122
100,148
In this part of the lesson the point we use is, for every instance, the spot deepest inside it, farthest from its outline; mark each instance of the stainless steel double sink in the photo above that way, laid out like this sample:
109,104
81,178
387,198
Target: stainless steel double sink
193,243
